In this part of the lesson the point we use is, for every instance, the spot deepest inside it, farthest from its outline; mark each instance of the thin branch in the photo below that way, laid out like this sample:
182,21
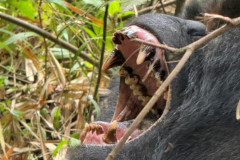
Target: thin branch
162,46
102,52
216,16
44,43
48,35
172,75
162,5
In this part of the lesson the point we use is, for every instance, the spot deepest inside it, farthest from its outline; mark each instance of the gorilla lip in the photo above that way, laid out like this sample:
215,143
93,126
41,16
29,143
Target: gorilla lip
143,69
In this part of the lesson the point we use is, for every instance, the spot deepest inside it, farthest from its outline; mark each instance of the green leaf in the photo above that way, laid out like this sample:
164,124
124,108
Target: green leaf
19,36
47,14
61,144
74,142
90,32
2,106
59,2
25,7
2,80
95,3
125,14
61,53
17,114
6,31
87,64
56,117
114,7
95,105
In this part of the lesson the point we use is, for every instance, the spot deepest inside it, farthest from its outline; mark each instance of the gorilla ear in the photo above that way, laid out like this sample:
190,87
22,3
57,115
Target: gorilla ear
195,29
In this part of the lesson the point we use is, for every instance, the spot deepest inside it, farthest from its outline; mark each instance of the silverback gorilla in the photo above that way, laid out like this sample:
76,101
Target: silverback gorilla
201,122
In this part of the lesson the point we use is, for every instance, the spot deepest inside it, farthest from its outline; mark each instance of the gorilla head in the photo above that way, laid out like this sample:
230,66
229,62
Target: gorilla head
201,121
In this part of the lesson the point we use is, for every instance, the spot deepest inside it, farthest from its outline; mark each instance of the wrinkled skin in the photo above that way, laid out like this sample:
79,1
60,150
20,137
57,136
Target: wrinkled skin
201,122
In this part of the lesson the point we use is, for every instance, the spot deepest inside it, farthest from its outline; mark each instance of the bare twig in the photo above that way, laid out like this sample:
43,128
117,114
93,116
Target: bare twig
47,35
216,16
43,147
58,68
162,46
44,42
172,75
162,5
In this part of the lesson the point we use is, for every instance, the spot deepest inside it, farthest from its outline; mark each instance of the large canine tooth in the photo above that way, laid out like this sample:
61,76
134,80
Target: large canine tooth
141,55
145,53
110,136
114,59
99,129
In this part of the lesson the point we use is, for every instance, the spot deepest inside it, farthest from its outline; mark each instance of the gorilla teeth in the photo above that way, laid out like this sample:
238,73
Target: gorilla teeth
139,90
154,111
94,127
159,82
140,98
145,100
157,75
114,59
145,53
141,55
119,36
125,71
132,79
110,136
132,87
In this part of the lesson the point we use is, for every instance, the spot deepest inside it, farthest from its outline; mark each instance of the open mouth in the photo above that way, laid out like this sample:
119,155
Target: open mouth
142,70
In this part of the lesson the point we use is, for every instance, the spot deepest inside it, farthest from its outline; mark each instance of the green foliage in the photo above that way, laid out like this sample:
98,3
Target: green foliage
25,7
56,117
61,144
21,98
73,142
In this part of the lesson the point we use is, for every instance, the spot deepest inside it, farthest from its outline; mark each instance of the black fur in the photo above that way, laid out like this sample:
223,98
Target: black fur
201,122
